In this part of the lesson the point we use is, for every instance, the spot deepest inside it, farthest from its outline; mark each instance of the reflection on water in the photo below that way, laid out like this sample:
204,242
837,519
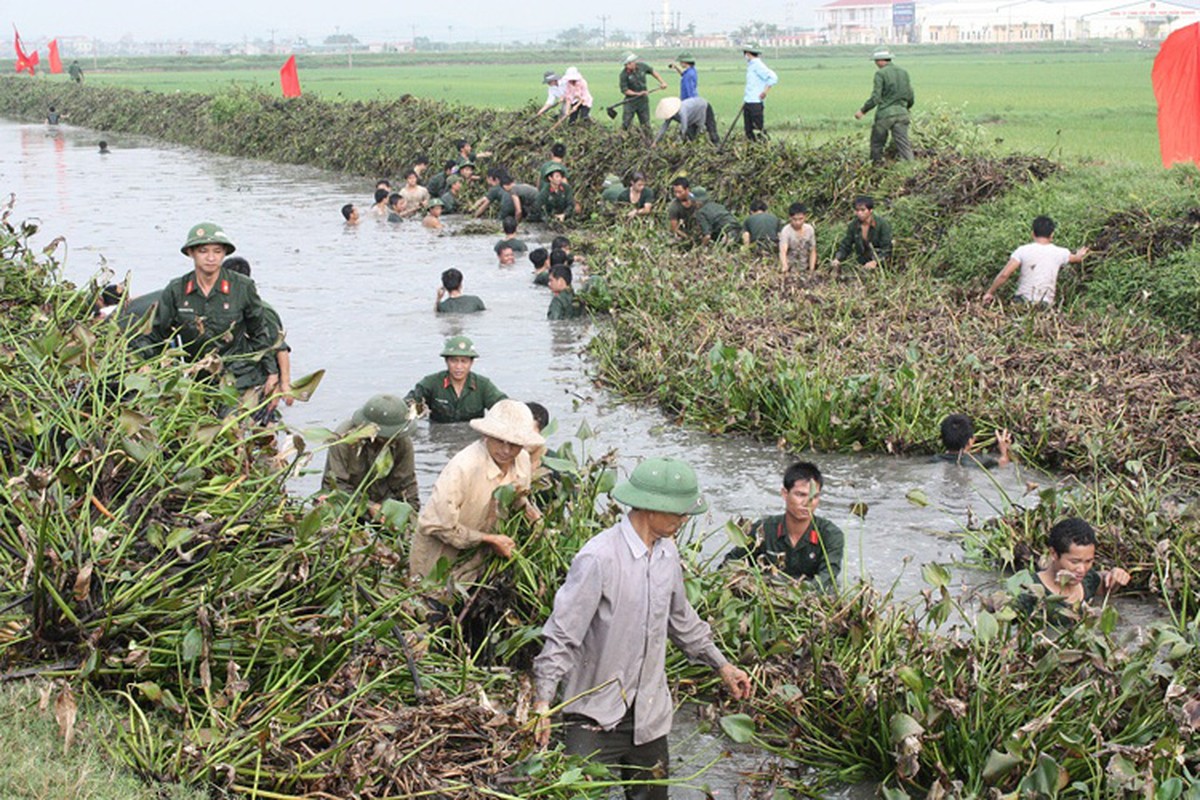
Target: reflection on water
358,302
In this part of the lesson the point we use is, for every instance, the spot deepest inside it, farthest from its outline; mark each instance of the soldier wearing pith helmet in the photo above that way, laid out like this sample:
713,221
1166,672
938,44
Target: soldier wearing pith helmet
891,97
456,394
214,310
351,465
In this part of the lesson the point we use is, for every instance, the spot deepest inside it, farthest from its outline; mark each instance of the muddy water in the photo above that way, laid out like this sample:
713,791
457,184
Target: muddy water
358,302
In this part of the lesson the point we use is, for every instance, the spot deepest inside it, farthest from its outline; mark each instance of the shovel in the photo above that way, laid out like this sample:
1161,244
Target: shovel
612,110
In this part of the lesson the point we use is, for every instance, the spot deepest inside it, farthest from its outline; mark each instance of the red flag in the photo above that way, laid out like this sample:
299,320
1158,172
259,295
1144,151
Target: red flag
289,79
55,61
1176,79
25,61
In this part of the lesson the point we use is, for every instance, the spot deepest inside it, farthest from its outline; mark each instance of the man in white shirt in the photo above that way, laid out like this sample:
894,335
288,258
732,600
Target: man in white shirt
1039,261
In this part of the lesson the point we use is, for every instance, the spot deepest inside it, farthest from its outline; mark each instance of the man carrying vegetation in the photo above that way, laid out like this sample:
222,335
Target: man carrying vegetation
714,220
1039,262
213,310
462,511
891,98
633,87
456,394
1069,578
607,635
798,542
868,237
378,463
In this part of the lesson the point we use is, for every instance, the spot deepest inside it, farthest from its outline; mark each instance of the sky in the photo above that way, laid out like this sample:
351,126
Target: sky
461,20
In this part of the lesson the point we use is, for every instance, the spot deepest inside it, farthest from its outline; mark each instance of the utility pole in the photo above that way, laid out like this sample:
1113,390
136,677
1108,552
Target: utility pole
604,18
272,30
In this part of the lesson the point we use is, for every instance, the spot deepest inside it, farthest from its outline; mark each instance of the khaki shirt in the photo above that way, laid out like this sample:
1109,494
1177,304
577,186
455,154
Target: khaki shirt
461,510
349,464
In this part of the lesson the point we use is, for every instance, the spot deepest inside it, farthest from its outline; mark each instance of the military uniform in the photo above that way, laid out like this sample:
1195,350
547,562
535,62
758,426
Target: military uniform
611,194
763,226
230,322
716,221
891,97
437,184
817,555
350,464
564,305
680,213
877,246
449,202
478,395
548,166
462,304
560,202
636,106
529,203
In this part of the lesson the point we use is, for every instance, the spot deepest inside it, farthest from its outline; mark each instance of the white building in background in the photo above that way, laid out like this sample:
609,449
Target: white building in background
870,22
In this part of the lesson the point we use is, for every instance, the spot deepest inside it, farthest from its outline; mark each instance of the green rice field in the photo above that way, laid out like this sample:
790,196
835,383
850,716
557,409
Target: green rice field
1092,102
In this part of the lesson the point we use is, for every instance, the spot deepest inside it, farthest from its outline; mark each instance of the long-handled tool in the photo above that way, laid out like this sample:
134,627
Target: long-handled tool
612,110
733,125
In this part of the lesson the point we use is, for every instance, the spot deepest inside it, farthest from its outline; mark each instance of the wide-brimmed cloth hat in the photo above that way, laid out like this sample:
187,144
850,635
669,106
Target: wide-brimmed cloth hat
387,412
881,55
572,74
510,421
459,346
206,233
550,76
667,107
629,58
662,484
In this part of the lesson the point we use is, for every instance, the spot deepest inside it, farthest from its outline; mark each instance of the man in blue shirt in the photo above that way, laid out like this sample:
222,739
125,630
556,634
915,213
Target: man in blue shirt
685,65
759,80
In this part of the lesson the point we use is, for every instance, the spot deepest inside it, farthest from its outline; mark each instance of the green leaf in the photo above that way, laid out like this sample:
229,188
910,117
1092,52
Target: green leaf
894,794
904,726
986,627
911,678
150,690
999,765
606,481
192,642
585,432
917,497
738,727
736,535
935,575
318,435
304,386
1170,789
560,465
570,777
395,513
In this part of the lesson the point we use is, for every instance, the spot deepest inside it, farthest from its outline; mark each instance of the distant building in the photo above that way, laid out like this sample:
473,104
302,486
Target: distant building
871,22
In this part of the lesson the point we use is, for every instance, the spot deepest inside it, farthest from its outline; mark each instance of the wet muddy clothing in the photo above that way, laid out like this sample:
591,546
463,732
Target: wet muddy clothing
879,239
450,204
606,639
528,195
560,202
350,464
564,305
462,304
818,554
461,509
647,196
610,194
1040,263
763,226
436,392
1052,605
413,199
800,244
716,221
966,460
437,184
615,747
230,322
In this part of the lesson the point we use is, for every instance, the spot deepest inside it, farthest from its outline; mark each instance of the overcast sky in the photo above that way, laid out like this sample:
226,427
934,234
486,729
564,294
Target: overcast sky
459,20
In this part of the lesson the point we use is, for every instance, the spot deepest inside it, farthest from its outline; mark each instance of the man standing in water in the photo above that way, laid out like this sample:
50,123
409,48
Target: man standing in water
798,542
891,98
456,394
759,80
607,636
351,465
215,310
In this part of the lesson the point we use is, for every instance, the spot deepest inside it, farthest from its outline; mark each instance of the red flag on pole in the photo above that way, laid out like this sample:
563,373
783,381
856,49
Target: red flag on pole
1176,79
25,61
55,61
289,79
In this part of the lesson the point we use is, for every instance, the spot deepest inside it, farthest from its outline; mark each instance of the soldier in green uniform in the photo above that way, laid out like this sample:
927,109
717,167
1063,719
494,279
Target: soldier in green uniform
611,189
351,466
563,305
456,394
520,201
714,220
633,87
891,97
682,209
450,298
449,198
798,542
215,310
556,199
761,227
868,237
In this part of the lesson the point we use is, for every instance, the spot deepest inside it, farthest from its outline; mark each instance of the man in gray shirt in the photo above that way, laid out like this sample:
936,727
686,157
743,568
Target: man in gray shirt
607,636
691,114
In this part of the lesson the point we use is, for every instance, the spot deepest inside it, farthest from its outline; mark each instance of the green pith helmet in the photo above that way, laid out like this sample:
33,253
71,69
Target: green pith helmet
437,201
459,346
466,164
686,58
699,193
553,167
207,233
611,180
881,55
387,412
662,484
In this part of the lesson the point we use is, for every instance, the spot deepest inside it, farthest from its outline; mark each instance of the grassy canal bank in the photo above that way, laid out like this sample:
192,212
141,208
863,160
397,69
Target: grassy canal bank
251,642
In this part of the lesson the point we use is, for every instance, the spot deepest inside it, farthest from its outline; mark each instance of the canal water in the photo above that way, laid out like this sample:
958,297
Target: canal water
358,302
